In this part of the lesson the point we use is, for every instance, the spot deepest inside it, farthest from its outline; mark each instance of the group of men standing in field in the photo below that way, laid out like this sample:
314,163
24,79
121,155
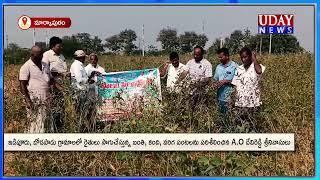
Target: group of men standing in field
42,80
228,77
42,84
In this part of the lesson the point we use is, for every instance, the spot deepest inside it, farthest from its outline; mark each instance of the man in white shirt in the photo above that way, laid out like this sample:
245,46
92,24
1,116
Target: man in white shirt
247,82
34,79
199,70
58,69
91,67
55,59
80,82
172,71
79,77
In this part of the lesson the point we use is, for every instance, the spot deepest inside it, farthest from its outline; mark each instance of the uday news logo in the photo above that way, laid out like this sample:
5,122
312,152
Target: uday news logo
275,23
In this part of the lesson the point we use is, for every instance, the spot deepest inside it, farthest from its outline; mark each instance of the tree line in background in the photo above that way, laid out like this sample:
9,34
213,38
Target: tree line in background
124,43
281,43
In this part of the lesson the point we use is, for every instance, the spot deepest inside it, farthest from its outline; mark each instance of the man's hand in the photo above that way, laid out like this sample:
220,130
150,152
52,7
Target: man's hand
214,85
182,76
29,103
68,75
97,73
167,63
223,82
59,86
218,84
254,56
94,73
164,68
51,82
91,81
257,66
25,93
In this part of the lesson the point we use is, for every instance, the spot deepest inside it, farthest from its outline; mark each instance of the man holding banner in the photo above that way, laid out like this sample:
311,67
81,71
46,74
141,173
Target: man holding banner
80,82
91,67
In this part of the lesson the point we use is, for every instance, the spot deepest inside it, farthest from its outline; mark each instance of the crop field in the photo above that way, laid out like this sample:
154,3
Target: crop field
288,107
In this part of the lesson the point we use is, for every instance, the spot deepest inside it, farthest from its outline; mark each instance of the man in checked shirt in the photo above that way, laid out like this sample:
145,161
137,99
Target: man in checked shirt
58,69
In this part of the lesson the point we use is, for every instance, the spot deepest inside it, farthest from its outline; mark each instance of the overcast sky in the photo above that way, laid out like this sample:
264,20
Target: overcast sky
104,21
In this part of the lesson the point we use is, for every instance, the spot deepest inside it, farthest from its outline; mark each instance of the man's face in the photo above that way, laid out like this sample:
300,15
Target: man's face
175,62
197,54
94,60
58,48
37,54
245,58
223,58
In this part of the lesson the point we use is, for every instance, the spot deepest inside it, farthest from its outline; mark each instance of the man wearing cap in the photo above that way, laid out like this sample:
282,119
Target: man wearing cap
58,69
80,82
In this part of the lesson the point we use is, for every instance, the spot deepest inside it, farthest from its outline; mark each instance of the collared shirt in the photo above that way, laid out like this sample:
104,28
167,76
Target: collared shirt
56,62
38,80
173,74
225,72
247,86
199,70
89,69
79,77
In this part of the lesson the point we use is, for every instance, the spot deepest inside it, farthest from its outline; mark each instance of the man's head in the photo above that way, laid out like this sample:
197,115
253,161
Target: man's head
55,44
223,55
246,56
80,55
93,58
36,54
198,53
174,59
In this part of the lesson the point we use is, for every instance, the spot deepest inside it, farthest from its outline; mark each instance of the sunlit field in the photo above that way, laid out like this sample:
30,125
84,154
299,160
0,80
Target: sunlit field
288,107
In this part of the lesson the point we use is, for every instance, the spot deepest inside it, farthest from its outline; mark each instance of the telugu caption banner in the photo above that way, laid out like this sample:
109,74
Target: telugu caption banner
149,142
